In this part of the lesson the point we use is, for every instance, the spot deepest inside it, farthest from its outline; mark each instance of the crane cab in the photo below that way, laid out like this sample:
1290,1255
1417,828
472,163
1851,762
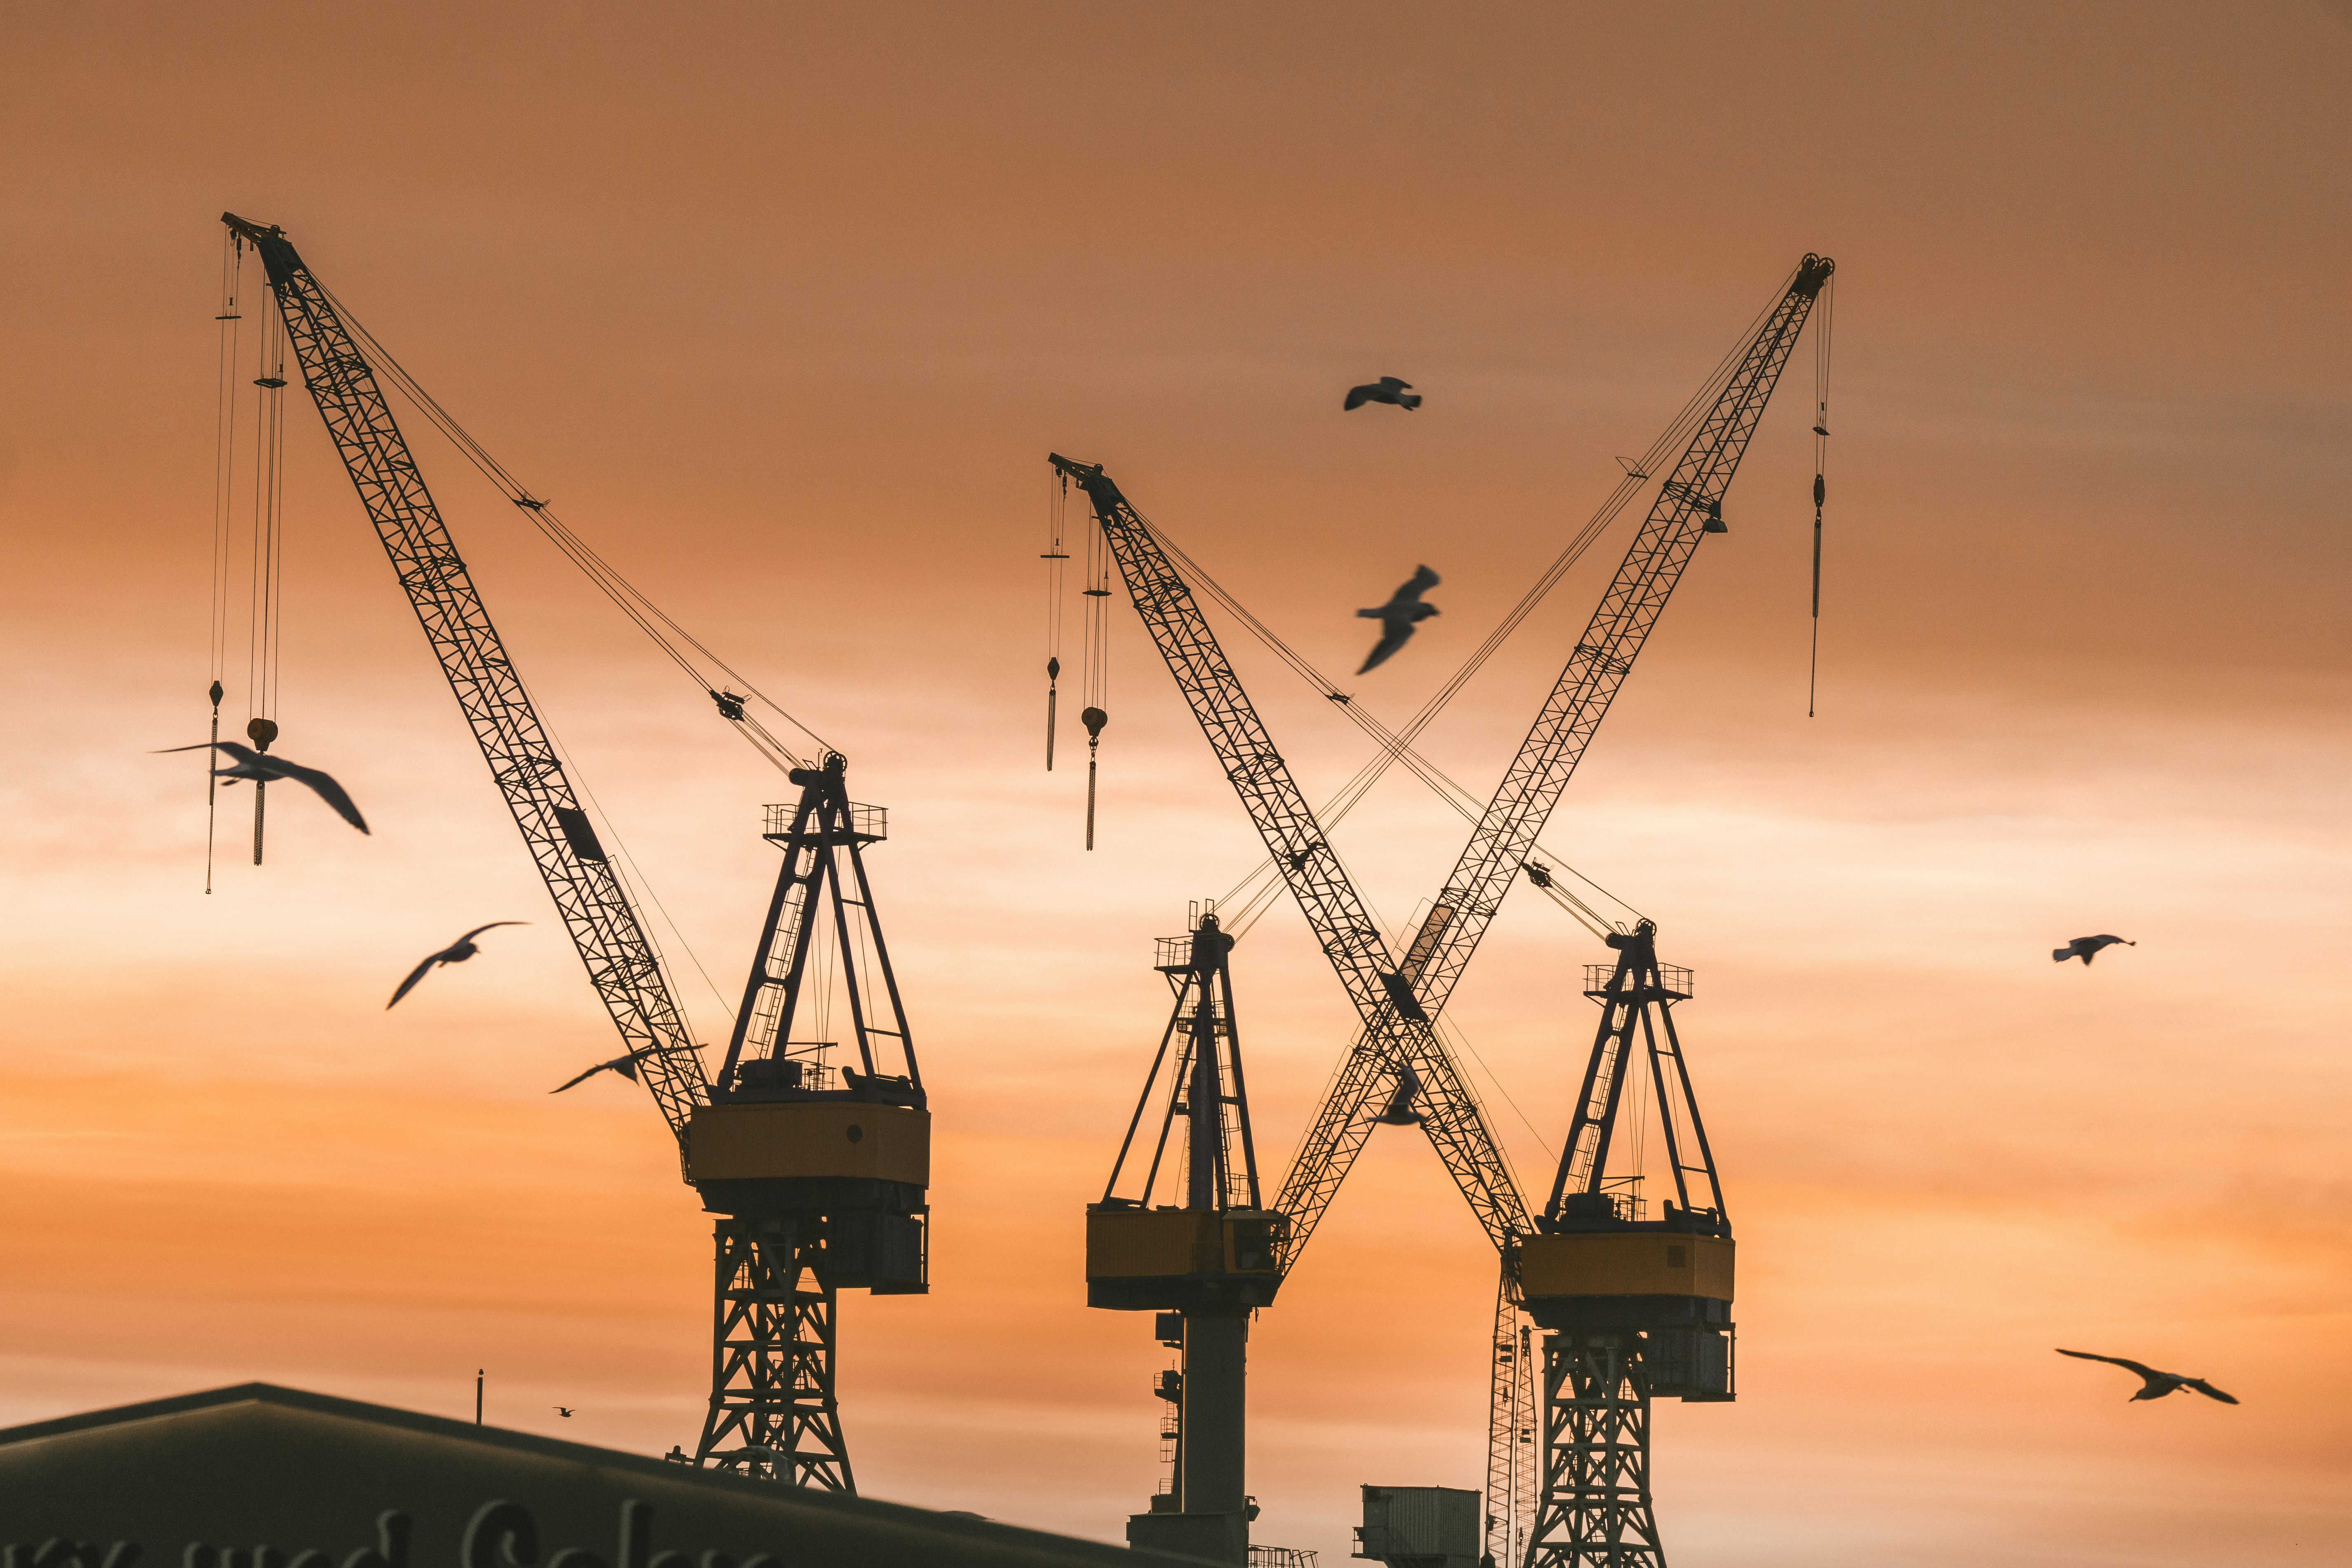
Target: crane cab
1181,1260
1668,1282
850,1156
809,1140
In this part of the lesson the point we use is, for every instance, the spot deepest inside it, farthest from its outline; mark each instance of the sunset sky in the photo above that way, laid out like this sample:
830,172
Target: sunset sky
785,305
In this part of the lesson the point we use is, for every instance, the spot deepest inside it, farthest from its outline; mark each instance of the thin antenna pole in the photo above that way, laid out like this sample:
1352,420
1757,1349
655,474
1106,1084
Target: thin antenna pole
478,1397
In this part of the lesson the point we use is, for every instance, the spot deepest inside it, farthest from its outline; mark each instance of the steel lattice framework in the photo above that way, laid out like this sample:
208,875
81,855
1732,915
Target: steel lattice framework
1398,1000
772,1410
1596,1511
774,1413
1689,506
1512,1463
1396,1028
621,960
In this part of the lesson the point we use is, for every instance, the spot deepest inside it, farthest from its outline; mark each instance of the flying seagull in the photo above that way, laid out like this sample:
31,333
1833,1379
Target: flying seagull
1399,615
564,1411
2155,1384
261,769
1388,389
2086,948
1399,1112
456,951
625,1066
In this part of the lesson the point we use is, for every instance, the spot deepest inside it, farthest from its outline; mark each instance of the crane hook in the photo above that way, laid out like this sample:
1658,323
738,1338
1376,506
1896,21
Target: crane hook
1093,718
1053,686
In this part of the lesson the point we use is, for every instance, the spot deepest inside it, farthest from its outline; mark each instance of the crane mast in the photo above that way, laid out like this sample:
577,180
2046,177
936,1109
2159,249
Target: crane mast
621,962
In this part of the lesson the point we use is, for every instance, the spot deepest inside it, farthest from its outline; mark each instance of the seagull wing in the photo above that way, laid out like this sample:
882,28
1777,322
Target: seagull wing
414,975
325,787
242,753
1394,383
1357,396
2116,1360
479,930
2206,1389
1422,581
583,1077
1395,638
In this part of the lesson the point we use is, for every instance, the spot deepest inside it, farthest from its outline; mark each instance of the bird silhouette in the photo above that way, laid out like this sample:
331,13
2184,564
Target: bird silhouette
1399,1112
1401,614
2155,1384
456,951
1388,389
262,768
625,1066
564,1411
2086,948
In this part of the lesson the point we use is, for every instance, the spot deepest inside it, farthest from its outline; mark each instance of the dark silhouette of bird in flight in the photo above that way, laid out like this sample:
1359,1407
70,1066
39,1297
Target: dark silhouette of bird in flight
456,951
625,1066
2086,948
1388,389
2155,1384
1401,614
1399,1112
564,1411
262,768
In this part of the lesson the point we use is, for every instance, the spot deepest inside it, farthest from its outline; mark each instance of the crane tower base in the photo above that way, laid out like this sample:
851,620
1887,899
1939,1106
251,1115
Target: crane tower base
774,1413
1595,1509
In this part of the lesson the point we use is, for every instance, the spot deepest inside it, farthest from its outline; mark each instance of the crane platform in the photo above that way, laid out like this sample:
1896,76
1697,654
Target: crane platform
1181,1260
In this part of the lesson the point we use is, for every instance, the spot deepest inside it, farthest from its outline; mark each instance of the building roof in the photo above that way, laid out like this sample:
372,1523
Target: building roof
258,1465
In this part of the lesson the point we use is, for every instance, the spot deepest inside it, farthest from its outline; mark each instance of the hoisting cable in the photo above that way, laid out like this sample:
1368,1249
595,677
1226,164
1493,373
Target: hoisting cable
267,608
1056,557
634,880
1095,689
666,633
1462,1048
223,487
1821,465
625,597
1396,745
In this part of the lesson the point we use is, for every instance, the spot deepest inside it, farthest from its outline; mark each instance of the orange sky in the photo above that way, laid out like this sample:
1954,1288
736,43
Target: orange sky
785,306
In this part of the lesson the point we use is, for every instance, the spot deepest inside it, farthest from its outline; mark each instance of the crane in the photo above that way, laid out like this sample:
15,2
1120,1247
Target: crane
1398,999
818,1186
1203,1263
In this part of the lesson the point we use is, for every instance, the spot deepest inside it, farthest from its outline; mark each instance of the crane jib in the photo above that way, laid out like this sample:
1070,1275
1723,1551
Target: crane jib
620,958
1689,505
1350,940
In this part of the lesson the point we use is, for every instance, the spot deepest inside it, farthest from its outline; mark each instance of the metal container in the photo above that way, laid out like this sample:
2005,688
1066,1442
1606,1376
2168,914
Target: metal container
1420,1527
